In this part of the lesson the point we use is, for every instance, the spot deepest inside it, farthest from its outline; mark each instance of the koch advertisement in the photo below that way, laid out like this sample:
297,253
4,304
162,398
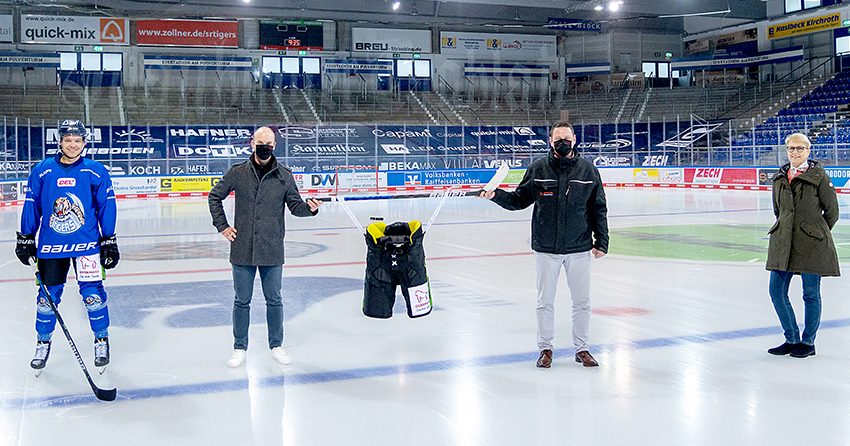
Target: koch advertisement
72,30
498,46
391,40
199,33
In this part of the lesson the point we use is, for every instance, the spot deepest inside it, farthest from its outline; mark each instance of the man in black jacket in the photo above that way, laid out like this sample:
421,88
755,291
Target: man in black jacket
568,227
263,189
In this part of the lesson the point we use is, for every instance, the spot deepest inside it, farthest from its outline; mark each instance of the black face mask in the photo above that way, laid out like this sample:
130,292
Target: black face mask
263,151
563,147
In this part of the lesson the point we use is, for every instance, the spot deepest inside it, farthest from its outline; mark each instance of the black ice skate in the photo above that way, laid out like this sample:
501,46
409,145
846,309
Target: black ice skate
101,353
42,352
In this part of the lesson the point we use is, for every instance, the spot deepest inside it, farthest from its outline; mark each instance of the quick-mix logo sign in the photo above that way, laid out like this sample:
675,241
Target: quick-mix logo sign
73,30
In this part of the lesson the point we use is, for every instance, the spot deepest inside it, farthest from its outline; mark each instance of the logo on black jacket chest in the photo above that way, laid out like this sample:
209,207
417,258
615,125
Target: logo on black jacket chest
547,193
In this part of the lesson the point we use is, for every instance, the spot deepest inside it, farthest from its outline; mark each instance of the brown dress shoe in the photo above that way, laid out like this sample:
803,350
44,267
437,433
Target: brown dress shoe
586,360
545,360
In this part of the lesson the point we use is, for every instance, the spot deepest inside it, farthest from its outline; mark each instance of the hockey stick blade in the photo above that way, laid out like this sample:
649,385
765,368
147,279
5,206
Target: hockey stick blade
101,394
497,179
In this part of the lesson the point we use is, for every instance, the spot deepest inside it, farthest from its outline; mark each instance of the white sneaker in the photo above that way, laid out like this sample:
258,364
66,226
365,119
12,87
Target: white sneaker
237,358
279,355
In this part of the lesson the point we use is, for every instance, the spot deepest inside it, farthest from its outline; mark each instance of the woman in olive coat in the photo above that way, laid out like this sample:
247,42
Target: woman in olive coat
806,209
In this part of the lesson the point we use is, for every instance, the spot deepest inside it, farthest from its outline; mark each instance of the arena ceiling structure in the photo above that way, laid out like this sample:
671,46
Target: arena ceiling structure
531,15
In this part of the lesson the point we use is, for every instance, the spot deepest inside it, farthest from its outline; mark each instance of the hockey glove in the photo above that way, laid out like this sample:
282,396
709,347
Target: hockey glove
25,248
109,252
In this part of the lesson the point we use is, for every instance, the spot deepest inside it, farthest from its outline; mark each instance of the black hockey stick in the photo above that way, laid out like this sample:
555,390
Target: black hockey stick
101,394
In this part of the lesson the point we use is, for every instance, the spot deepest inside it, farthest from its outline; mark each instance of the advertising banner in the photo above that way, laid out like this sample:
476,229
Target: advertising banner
158,62
498,46
505,70
9,191
134,185
187,184
720,77
719,175
200,33
766,176
659,175
734,43
439,177
297,36
29,60
391,40
359,66
71,30
796,27
5,28
767,57
840,176
574,24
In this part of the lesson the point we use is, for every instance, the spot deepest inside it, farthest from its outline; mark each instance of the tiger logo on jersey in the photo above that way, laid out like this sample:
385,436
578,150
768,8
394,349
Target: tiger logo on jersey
68,216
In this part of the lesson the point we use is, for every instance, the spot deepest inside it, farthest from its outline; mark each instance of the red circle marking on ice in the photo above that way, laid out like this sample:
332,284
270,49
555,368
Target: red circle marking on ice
620,311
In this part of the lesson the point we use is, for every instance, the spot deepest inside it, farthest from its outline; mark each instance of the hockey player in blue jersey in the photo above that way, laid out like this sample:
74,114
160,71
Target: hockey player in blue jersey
71,205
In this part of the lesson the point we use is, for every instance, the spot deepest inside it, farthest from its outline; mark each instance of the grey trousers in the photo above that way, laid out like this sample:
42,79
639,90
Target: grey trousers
577,267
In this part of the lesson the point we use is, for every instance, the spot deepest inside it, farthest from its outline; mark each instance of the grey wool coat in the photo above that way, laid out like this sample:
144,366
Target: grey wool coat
806,209
259,216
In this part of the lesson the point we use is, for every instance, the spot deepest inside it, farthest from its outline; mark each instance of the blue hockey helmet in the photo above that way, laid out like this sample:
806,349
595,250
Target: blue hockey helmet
72,127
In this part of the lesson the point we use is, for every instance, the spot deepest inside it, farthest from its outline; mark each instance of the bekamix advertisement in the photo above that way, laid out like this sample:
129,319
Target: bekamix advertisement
202,33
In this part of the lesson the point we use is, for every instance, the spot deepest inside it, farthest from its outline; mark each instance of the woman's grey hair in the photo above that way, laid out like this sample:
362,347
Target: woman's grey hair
798,138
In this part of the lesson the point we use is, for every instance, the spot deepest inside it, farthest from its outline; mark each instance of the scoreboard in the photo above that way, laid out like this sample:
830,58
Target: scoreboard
308,36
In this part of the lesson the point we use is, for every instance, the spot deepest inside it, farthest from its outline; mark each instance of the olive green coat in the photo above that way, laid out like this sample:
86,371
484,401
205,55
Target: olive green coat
806,209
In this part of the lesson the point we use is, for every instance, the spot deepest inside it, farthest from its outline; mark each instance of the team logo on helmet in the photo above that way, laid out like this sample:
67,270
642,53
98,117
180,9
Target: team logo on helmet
72,127
68,216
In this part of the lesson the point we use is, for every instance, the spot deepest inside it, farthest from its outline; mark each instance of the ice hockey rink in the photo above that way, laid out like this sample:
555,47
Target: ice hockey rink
681,324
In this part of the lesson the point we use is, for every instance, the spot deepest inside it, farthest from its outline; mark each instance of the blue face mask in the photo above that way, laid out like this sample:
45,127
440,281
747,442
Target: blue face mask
263,151
563,147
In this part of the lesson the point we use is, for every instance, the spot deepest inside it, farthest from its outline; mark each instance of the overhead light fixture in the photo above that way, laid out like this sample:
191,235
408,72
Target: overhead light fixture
247,1
396,5
598,8
613,6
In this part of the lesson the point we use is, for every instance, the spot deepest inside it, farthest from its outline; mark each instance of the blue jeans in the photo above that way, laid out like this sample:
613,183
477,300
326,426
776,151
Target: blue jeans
243,285
779,282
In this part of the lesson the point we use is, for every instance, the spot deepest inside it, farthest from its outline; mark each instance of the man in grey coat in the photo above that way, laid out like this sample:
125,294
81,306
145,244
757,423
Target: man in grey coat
263,189
806,209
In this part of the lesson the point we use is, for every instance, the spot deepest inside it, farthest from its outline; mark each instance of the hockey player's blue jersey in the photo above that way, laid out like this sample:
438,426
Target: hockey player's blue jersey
73,206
